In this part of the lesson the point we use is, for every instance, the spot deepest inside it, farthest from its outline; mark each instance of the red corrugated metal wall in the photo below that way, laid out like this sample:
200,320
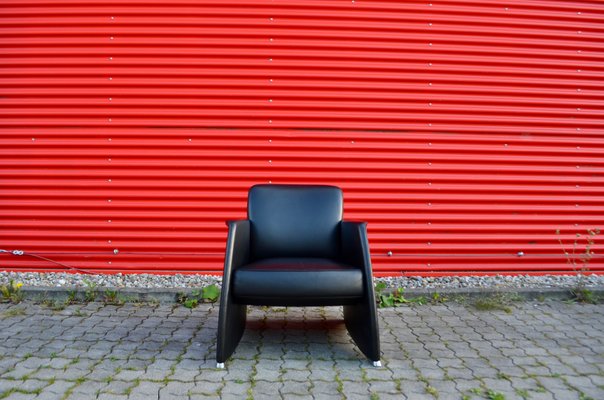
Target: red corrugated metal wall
465,132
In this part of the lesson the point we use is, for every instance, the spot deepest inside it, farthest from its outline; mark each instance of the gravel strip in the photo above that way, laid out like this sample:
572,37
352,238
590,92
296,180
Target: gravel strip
69,280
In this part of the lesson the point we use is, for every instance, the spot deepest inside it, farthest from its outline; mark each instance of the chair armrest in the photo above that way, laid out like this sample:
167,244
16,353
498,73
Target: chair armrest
238,245
355,246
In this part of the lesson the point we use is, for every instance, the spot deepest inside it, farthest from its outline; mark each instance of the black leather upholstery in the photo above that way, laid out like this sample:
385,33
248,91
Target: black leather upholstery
295,250
295,221
298,282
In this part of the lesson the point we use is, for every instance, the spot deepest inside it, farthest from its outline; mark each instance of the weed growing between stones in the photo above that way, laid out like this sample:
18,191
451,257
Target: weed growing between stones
13,312
12,292
394,298
208,294
578,256
90,292
495,302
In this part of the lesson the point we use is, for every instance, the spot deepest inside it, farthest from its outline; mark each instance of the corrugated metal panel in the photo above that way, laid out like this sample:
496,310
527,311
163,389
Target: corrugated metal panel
463,131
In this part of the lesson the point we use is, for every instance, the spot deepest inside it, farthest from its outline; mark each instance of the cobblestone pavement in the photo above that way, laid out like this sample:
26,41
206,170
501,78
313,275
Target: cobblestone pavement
448,351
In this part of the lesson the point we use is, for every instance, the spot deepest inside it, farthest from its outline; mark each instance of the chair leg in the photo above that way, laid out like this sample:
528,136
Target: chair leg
231,325
362,324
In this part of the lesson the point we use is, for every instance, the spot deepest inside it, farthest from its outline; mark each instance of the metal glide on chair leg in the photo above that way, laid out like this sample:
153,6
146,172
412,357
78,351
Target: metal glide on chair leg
220,365
377,363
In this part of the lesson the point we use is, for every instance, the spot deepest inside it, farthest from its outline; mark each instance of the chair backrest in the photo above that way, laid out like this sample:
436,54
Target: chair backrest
295,220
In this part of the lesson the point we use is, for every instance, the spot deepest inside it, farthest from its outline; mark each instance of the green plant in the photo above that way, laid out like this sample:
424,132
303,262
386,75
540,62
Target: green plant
71,296
90,291
438,298
578,256
112,297
492,395
522,393
389,299
207,294
14,312
12,292
57,305
432,391
494,302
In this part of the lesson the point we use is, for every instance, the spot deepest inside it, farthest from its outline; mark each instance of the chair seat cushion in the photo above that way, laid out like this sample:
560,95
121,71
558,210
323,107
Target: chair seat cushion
297,282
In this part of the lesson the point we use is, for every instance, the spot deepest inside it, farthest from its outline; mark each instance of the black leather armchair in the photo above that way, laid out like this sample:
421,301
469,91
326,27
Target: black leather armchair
295,250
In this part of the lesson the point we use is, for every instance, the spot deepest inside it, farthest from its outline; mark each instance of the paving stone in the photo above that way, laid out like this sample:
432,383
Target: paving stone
48,395
296,375
206,388
295,388
235,388
300,348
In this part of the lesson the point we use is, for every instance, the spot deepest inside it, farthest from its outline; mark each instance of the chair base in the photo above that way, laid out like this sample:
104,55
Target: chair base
220,365
377,363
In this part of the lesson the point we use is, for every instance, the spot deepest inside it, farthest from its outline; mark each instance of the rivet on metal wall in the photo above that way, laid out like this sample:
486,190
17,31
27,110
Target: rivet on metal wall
520,254
33,139
109,221
108,180
389,254
115,251
108,200
108,241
